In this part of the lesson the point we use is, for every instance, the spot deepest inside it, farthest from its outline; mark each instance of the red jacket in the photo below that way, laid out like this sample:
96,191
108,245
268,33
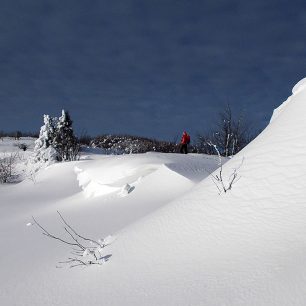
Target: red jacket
185,138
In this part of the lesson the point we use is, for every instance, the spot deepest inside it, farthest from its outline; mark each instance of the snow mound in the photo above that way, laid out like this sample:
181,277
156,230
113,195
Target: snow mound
108,177
121,175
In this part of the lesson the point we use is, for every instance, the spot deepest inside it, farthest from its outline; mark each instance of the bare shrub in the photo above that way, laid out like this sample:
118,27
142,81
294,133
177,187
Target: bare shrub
224,184
22,146
231,134
84,251
7,167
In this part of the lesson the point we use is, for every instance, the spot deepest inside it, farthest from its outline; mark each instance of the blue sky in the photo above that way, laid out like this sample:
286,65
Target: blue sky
150,68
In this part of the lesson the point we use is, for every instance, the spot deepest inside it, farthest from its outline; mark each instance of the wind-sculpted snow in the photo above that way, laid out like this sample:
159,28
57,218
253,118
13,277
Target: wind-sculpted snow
112,174
299,87
99,196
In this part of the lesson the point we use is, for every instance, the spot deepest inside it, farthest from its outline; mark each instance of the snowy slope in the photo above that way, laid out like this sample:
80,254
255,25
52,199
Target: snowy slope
246,247
176,241
29,259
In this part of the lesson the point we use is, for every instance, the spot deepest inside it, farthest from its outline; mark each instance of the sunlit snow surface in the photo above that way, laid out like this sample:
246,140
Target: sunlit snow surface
175,240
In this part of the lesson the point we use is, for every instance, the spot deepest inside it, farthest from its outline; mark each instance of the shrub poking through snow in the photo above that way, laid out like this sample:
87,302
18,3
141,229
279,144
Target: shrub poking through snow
22,146
7,167
84,251
219,180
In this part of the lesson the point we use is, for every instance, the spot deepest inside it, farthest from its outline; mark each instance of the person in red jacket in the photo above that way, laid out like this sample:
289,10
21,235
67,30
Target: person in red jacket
184,143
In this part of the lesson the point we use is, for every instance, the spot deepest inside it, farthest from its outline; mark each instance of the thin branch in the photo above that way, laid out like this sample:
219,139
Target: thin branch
80,246
45,232
91,254
218,179
84,238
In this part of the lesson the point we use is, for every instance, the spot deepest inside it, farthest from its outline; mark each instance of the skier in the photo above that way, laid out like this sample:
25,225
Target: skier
184,142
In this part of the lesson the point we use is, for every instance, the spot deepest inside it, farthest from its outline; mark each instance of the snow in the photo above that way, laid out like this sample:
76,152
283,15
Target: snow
10,147
299,87
112,174
171,238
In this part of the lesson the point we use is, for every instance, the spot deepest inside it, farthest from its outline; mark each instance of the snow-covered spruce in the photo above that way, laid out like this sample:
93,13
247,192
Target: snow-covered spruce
56,141
65,142
44,150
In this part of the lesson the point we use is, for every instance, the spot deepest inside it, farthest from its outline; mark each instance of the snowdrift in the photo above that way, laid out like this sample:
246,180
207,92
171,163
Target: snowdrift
77,190
114,174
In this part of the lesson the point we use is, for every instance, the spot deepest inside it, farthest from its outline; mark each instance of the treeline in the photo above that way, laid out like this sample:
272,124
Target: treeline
18,134
230,134
126,144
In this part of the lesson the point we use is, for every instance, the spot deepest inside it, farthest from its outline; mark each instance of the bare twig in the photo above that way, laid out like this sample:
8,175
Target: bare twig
218,178
86,239
46,233
91,255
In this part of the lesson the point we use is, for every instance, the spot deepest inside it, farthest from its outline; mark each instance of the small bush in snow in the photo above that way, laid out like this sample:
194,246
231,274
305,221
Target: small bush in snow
7,167
23,146
84,251
222,185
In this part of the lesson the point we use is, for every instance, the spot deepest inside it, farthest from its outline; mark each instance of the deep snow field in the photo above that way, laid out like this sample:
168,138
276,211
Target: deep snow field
173,239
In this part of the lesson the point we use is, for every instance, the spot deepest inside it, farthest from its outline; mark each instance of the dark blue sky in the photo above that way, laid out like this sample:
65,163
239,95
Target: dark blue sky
147,67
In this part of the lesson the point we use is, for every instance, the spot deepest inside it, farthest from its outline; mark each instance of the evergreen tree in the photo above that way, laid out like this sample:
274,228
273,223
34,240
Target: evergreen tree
64,142
56,141
43,150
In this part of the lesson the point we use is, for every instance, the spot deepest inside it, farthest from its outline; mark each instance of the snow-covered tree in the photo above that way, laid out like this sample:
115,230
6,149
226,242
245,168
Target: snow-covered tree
65,142
56,141
44,150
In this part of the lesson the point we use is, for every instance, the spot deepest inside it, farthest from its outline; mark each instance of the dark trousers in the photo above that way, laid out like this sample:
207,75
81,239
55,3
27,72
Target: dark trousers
183,148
